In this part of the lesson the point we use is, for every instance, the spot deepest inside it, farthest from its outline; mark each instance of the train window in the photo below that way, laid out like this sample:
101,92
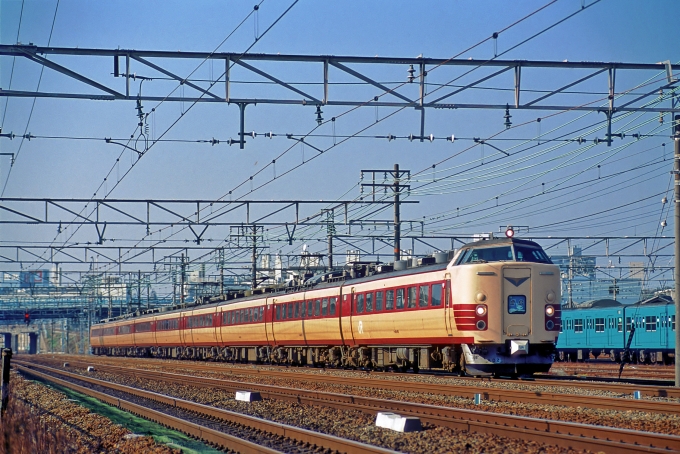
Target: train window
261,317
332,305
317,307
378,301
423,295
310,308
369,302
517,304
673,322
411,297
253,314
530,254
437,294
389,300
290,310
650,323
324,307
489,254
578,325
296,307
278,312
360,304
400,298
599,325
463,256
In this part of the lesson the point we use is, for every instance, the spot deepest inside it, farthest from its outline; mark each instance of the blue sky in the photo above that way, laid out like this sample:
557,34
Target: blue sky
610,30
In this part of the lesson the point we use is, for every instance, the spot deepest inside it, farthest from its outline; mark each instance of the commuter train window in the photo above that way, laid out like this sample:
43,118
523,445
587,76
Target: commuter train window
578,325
437,294
411,303
290,310
360,303
278,312
650,323
317,308
261,318
400,298
379,301
673,322
389,300
310,308
332,305
629,323
517,304
296,308
599,325
423,295
530,254
124,329
253,314
324,307
369,302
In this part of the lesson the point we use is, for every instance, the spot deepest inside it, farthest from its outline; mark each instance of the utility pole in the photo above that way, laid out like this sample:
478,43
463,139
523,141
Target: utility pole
181,285
330,232
139,290
254,257
250,234
396,186
676,297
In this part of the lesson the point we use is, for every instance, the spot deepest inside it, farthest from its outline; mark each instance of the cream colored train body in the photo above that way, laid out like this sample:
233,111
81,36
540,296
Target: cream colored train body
492,309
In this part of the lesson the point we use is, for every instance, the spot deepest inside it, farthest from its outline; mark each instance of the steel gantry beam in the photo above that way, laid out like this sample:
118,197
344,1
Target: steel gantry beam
480,70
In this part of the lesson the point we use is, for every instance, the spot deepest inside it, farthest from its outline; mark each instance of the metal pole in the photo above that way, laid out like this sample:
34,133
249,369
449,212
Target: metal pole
139,290
330,251
181,287
676,297
397,229
6,357
254,259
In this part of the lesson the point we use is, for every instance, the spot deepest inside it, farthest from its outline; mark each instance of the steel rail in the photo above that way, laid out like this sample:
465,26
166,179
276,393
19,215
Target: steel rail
489,394
496,394
302,436
565,434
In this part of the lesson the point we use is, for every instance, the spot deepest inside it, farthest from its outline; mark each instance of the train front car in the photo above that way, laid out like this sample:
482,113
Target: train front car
505,294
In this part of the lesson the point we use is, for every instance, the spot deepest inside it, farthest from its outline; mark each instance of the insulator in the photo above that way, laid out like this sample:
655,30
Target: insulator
664,200
390,137
411,74
507,117
319,118
410,137
451,139
431,137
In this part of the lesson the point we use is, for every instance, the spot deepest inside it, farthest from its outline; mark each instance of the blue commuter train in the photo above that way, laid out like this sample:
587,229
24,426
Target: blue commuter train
604,329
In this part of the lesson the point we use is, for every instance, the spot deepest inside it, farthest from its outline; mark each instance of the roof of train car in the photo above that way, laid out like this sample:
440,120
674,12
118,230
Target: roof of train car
497,241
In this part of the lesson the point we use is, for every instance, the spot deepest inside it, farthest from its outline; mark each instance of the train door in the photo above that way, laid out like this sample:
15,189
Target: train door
588,328
662,326
448,306
271,331
517,301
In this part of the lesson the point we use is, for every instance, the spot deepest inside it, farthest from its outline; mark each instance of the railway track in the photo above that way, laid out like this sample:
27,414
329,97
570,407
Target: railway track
387,381
564,434
217,427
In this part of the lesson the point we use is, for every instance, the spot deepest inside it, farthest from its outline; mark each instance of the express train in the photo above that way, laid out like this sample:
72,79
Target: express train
604,328
493,307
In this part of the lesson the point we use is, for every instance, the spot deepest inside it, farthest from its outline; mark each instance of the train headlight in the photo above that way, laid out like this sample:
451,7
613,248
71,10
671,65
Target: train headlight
481,310
549,311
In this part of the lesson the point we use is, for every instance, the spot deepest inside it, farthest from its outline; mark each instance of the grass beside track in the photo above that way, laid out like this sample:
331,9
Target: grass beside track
136,424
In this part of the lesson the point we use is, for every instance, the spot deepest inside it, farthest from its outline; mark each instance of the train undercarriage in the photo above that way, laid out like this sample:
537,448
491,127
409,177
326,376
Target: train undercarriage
463,359
641,356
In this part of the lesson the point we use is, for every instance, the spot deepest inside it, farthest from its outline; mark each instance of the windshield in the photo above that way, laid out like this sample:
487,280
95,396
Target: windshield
489,254
530,254
523,253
